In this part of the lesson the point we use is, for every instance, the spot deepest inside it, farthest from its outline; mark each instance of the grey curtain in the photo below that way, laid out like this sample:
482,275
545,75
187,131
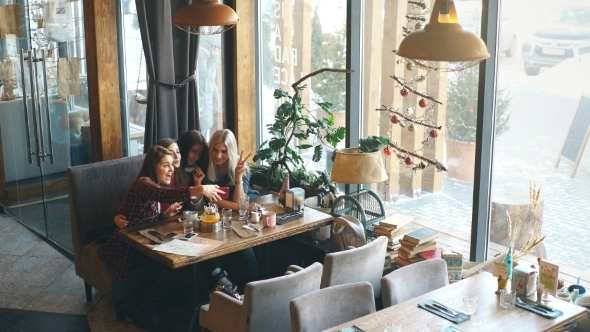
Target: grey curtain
171,59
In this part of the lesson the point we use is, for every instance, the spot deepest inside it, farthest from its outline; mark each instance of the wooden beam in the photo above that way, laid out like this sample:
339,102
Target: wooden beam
100,29
244,88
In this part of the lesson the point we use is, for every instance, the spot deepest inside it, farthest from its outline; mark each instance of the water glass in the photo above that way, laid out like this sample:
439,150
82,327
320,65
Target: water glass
470,304
226,215
434,325
507,298
243,207
188,222
393,327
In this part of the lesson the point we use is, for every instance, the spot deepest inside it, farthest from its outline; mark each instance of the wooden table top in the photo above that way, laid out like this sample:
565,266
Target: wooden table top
489,317
311,219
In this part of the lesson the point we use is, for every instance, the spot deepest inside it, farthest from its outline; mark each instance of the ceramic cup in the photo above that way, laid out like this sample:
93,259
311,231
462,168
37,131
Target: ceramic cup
564,296
268,219
255,216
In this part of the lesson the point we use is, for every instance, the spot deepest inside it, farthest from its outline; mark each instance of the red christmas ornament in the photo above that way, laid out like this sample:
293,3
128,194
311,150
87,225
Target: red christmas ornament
387,151
394,119
470,111
423,103
434,133
404,92
409,161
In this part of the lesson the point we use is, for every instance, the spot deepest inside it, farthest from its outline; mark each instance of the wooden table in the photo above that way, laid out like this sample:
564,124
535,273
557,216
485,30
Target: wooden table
489,317
311,219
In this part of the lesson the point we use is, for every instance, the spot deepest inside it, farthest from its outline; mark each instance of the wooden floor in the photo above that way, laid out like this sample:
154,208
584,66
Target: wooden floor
448,238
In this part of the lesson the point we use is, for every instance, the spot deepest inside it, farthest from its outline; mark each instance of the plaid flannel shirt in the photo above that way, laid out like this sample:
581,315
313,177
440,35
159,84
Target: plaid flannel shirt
140,207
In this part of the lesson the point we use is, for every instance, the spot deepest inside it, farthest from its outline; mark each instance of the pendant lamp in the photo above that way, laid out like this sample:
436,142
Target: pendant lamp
443,40
205,17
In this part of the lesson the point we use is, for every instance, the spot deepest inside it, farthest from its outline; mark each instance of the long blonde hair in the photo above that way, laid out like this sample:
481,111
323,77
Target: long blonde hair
226,137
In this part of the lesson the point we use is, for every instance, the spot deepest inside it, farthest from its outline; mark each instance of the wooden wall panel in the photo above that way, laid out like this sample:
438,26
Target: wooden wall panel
244,69
100,28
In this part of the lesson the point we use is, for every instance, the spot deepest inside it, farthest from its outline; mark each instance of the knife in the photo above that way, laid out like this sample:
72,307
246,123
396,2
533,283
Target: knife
444,307
539,305
446,312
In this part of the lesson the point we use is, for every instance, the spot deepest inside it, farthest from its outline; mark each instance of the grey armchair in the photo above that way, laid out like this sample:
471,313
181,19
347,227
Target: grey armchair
359,264
413,280
95,192
265,306
328,307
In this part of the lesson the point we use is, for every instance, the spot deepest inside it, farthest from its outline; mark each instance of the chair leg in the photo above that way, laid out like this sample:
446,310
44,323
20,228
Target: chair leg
88,289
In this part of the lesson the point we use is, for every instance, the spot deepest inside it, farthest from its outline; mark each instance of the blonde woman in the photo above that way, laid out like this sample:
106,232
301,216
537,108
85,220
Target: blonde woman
227,168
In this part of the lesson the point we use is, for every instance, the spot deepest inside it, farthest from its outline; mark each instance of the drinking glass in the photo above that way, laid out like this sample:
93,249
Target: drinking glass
507,298
243,207
470,304
226,214
188,222
434,325
393,327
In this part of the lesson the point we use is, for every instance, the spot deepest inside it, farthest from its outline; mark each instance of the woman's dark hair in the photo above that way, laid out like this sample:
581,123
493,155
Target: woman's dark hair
152,158
181,179
187,141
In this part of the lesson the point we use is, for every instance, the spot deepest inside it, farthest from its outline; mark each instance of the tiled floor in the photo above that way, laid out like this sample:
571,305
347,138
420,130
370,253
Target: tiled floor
35,276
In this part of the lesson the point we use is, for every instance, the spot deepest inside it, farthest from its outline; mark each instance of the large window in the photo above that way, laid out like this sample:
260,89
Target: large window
539,88
541,75
209,81
297,38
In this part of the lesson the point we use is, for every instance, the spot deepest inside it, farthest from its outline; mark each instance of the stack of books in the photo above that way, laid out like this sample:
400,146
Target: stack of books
394,227
416,246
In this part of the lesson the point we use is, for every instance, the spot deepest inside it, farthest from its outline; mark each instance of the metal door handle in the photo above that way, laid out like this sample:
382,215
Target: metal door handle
32,77
50,154
24,86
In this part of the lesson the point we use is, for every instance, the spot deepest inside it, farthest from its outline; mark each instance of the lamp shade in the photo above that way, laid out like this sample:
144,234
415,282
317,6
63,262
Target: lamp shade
442,42
354,167
205,17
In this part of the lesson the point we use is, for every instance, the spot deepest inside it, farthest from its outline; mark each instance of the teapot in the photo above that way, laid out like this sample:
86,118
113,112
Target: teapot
210,219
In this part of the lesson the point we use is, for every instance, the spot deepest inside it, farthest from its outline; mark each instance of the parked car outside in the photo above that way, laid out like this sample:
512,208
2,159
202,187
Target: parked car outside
564,34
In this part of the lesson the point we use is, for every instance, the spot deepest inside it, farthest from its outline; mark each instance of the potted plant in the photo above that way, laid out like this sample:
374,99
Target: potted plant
462,122
293,125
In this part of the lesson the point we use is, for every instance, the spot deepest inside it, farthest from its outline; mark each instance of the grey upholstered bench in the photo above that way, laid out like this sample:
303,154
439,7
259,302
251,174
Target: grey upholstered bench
96,190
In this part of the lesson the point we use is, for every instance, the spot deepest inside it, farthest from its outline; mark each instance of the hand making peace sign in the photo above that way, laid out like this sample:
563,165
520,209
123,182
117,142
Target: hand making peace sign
242,165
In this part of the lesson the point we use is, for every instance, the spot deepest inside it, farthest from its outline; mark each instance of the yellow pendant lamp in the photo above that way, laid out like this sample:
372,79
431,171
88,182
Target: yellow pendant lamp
205,17
444,40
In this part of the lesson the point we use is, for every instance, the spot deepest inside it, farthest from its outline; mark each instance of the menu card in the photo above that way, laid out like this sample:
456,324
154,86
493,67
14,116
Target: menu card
195,247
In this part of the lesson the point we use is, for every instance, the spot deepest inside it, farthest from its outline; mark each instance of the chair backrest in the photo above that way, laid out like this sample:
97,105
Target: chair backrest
413,280
359,264
332,306
95,192
267,301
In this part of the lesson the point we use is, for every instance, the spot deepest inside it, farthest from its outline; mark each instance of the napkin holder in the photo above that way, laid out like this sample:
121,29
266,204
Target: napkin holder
295,198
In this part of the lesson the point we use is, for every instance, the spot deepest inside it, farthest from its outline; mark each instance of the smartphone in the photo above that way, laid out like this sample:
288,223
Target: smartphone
225,194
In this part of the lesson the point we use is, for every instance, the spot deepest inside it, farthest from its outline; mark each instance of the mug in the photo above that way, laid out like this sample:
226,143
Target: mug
269,219
565,296
255,216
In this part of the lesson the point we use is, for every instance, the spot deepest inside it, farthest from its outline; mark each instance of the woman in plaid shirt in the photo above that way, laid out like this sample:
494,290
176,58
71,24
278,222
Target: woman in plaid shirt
140,206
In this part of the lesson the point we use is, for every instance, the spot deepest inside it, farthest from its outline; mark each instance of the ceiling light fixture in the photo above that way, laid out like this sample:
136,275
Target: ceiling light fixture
443,40
205,17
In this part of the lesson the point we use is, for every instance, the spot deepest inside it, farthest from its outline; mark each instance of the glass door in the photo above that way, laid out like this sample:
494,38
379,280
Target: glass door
44,119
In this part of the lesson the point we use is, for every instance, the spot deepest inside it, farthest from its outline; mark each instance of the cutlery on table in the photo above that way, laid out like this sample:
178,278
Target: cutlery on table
531,306
444,307
446,312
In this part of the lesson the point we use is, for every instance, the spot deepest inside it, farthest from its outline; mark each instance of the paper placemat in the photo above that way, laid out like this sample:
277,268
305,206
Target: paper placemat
241,231
460,318
539,311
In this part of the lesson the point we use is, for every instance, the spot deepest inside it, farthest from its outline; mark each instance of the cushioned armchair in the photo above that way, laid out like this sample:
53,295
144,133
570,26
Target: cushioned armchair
413,280
95,191
332,306
265,306
359,264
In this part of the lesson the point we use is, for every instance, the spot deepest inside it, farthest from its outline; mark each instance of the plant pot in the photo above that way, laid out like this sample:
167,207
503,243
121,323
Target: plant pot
460,160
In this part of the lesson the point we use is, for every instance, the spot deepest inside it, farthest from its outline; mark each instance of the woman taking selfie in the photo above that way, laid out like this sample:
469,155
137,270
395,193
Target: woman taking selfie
179,179
142,205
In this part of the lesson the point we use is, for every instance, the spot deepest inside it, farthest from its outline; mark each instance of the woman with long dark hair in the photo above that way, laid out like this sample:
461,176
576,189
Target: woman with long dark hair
142,205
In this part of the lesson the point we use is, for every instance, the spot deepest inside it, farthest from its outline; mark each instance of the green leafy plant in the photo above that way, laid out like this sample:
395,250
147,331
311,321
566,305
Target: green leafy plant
461,105
293,121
